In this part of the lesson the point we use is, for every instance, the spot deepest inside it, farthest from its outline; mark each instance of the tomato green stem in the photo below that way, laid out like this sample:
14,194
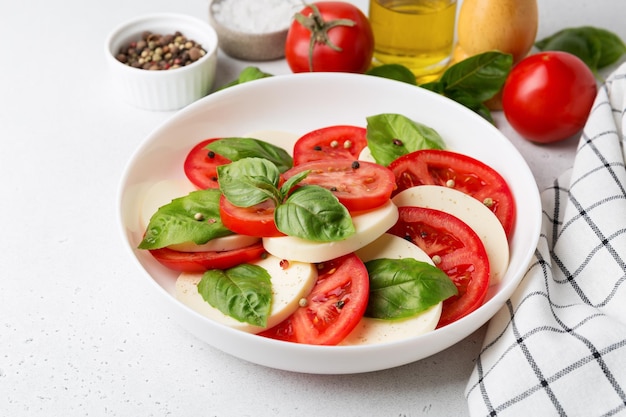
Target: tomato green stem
319,28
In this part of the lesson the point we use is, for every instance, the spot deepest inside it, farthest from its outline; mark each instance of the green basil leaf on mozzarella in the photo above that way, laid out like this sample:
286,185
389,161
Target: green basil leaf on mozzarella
401,288
243,292
314,213
192,218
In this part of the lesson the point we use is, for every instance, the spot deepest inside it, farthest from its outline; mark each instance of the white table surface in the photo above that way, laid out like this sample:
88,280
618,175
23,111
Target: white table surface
78,333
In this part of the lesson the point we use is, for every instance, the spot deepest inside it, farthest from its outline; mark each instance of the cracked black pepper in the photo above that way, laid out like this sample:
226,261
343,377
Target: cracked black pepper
160,52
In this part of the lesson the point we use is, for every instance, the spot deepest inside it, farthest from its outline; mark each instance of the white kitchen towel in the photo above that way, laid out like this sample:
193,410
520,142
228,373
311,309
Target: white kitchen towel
558,346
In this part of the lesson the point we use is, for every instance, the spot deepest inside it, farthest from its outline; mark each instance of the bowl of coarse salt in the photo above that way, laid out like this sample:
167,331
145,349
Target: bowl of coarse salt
253,30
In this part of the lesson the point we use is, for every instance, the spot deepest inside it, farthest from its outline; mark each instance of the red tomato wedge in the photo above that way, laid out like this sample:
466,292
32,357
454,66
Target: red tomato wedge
332,142
202,261
257,220
358,185
462,254
333,308
461,172
201,165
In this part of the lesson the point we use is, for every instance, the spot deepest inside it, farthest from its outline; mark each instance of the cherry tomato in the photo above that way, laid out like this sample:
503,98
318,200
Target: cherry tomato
257,220
457,250
332,142
547,97
330,36
201,261
358,185
333,308
201,165
464,173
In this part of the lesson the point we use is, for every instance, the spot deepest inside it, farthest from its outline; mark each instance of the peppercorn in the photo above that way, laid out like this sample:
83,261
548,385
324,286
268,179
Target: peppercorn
160,52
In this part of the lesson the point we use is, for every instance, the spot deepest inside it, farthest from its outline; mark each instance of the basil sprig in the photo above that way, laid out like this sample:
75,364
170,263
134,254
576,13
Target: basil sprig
243,292
597,47
239,148
309,212
474,80
391,135
402,288
192,218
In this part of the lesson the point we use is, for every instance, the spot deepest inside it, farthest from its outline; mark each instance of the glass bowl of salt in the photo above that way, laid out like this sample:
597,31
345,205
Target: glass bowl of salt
253,30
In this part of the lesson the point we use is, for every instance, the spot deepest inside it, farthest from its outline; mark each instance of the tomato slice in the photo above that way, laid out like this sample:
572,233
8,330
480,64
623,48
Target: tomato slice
464,173
332,142
462,254
358,185
257,220
202,261
333,308
201,165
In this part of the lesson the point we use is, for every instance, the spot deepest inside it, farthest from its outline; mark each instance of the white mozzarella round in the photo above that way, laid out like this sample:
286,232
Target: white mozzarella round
366,155
371,330
162,193
275,137
289,285
472,212
369,226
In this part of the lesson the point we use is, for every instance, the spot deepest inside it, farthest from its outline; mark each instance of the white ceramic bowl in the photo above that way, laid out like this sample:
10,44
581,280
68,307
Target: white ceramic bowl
299,103
163,90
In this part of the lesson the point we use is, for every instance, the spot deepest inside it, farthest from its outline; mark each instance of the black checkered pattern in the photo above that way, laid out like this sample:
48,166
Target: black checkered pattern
558,346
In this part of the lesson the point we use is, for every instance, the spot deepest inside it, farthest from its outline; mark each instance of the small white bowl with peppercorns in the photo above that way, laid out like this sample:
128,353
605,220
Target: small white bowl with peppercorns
163,61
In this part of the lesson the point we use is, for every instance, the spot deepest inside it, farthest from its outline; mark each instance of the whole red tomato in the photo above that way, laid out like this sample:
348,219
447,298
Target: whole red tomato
547,96
330,36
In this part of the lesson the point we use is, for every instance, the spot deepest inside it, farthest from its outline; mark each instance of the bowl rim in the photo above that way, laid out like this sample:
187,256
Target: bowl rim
165,17
481,316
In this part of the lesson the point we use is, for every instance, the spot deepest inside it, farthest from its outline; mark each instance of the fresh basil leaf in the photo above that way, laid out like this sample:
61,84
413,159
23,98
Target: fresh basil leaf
314,213
248,181
434,86
192,218
612,47
402,288
470,102
597,47
394,72
246,75
243,292
239,148
474,80
293,181
391,135
581,42
480,76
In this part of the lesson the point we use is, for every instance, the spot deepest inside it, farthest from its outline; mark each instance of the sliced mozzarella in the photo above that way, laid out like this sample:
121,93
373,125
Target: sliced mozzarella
370,330
469,210
289,285
392,247
275,137
369,226
162,193
366,155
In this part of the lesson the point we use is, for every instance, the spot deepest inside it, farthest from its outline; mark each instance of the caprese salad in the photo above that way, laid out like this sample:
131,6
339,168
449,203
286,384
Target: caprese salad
355,235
